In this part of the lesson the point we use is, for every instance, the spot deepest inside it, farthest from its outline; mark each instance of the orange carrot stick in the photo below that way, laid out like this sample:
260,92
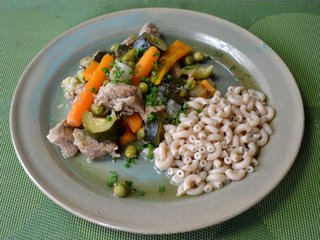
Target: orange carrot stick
99,75
86,97
207,85
145,64
176,51
134,122
127,137
88,72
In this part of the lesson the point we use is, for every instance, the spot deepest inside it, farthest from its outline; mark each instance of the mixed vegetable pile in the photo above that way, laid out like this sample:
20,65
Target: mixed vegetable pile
129,92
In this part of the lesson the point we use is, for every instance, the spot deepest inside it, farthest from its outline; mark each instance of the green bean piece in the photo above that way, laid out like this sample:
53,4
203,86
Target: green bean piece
198,57
97,110
130,152
120,189
141,133
144,88
130,56
188,60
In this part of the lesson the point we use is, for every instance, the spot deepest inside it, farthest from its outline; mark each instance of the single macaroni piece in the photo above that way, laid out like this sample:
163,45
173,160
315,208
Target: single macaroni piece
216,141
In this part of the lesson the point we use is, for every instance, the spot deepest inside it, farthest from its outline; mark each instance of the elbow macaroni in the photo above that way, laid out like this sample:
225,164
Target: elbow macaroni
218,145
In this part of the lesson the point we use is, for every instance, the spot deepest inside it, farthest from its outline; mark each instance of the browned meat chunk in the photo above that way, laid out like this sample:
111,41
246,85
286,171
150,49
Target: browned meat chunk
91,147
121,97
150,28
61,135
129,41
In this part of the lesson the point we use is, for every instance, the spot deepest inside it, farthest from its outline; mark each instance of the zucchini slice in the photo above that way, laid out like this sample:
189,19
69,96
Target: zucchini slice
109,128
154,130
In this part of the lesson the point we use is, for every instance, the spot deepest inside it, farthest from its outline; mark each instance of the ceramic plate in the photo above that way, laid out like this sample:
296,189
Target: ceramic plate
79,186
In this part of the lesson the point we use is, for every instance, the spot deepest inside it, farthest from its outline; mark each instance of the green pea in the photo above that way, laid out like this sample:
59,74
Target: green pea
114,47
120,189
198,57
130,152
97,110
188,60
144,88
141,133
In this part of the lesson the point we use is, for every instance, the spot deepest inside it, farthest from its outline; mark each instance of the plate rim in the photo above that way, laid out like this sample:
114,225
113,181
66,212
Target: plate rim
73,209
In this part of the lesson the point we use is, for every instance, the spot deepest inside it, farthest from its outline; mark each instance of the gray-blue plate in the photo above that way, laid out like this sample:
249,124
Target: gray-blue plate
79,186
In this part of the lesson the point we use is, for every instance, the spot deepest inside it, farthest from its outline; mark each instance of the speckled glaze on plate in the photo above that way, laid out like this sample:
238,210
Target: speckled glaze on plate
79,187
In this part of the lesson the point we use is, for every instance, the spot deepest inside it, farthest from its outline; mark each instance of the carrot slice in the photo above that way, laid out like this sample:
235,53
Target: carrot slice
207,85
145,64
86,97
88,72
99,75
176,51
134,122
127,137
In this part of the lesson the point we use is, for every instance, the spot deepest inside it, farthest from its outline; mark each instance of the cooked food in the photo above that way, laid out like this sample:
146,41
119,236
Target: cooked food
216,141
163,97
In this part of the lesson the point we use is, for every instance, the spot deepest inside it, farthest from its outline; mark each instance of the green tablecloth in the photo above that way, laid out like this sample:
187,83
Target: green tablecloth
291,28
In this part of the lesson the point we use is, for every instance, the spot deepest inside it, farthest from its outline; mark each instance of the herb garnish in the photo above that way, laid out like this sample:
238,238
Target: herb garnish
150,117
129,162
233,68
150,151
217,53
112,179
152,97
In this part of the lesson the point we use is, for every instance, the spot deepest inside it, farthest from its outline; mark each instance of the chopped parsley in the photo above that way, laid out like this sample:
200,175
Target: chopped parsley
217,53
112,64
162,189
189,67
92,89
233,68
129,162
167,77
128,183
198,110
155,66
156,54
152,97
113,177
127,81
150,151
139,192
139,52
146,80
150,117
109,118
106,71
154,73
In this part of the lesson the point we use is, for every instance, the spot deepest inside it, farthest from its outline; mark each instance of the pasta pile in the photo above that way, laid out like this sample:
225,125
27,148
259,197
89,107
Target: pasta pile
216,142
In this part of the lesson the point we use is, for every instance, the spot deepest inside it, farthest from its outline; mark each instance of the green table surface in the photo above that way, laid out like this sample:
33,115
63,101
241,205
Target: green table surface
291,28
